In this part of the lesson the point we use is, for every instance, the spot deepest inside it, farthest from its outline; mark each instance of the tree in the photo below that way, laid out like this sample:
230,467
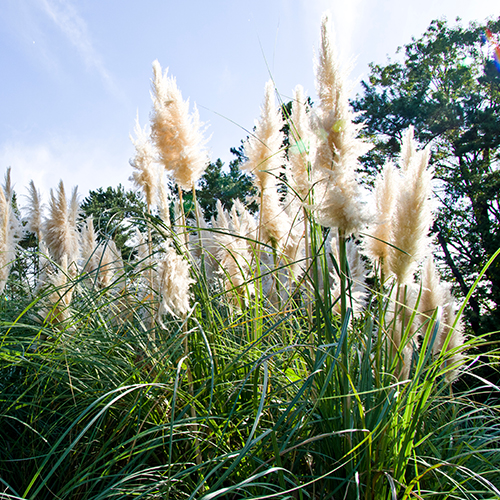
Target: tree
226,186
449,90
111,209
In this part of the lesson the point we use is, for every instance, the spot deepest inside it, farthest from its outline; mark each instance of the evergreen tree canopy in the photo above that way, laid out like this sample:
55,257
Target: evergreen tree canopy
226,186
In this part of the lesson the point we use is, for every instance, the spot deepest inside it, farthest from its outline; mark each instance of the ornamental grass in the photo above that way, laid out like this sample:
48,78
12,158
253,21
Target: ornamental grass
307,351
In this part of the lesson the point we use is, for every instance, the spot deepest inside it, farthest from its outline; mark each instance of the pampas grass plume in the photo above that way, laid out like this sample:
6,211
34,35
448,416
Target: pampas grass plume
61,293
386,189
302,145
265,160
436,294
61,234
413,213
176,133
8,234
145,175
34,220
341,203
172,281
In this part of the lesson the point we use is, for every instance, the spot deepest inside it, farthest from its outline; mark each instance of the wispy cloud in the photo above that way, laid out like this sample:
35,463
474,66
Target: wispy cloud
88,164
66,17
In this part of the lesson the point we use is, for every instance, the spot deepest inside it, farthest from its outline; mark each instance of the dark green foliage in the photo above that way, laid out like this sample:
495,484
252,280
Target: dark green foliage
226,186
449,90
113,211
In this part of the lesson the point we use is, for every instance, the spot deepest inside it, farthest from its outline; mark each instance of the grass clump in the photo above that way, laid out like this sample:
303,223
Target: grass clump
278,356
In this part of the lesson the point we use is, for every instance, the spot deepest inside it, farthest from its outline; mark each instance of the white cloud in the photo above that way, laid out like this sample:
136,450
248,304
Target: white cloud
88,165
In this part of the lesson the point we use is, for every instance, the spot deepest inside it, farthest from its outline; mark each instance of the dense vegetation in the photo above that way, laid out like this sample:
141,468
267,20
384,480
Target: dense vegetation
447,87
308,350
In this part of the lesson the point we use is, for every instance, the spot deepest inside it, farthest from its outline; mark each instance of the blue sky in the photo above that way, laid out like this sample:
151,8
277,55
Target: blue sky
74,73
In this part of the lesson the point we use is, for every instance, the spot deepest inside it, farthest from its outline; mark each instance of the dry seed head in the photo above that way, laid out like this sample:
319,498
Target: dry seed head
302,146
59,298
341,200
265,161
88,244
436,294
413,214
8,187
172,282
145,175
176,134
163,199
232,251
264,146
34,220
109,264
60,231
408,150
9,233
386,189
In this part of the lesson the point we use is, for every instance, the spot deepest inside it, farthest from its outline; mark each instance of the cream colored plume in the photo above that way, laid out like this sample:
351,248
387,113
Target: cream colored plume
110,265
8,187
264,146
302,146
9,234
265,161
163,200
176,134
34,220
89,243
401,305
387,186
60,231
145,174
437,294
413,212
340,199
103,259
171,281
232,251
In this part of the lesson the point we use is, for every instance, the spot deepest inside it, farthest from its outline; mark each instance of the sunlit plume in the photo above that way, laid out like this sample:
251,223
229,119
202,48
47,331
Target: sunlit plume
340,200
176,133
145,175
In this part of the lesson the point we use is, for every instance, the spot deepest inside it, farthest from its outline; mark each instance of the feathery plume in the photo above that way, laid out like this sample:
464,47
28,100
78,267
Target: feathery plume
9,232
302,146
8,187
74,207
385,193
61,234
163,200
437,294
401,332
413,212
88,244
263,149
34,220
172,282
232,251
357,291
341,203
265,160
175,132
145,175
